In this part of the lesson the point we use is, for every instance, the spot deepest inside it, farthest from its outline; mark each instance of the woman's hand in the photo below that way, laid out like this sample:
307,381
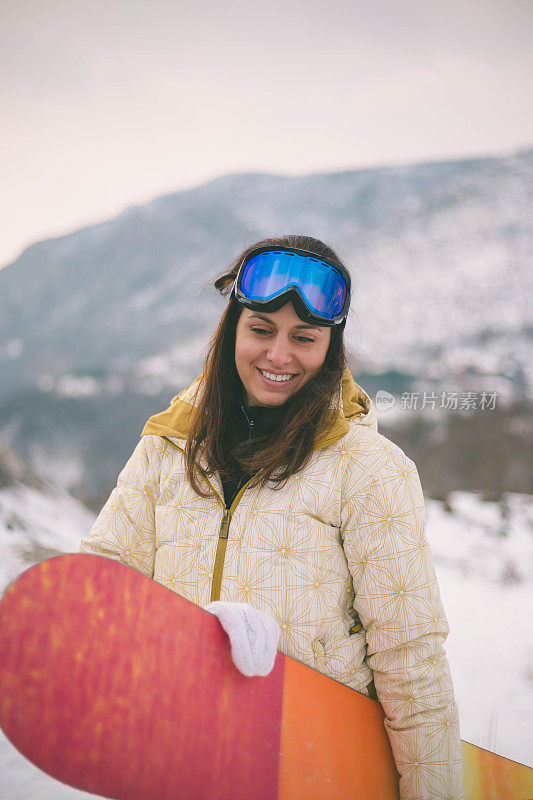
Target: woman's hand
253,636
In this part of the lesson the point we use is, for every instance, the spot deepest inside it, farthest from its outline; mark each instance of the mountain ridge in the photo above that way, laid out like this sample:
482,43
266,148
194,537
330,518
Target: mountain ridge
118,314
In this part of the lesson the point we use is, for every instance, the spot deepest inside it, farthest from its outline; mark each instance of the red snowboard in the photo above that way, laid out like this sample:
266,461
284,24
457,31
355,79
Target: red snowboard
114,684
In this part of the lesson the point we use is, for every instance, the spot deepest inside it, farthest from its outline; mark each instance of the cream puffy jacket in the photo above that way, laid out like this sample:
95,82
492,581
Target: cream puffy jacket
338,556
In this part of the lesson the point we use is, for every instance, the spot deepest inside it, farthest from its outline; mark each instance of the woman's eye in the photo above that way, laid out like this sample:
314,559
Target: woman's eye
261,331
304,339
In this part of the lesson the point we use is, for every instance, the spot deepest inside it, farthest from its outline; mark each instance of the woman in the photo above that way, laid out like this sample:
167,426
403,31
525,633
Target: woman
266,483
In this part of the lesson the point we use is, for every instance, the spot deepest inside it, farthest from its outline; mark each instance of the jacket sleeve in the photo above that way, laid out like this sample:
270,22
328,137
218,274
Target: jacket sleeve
125,528
398,602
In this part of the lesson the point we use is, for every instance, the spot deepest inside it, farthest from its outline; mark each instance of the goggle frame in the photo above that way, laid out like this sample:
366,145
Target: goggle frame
293,291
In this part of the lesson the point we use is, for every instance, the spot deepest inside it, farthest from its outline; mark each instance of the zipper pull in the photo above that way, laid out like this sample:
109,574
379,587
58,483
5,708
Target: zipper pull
224,525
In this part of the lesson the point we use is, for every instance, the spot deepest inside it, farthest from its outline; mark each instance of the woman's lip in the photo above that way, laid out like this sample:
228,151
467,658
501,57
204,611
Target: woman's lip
275,383
273,372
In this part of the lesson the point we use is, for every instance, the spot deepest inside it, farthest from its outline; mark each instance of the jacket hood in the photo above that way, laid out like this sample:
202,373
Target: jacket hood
356,409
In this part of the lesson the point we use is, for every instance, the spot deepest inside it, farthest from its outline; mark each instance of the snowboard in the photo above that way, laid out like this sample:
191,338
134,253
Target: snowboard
114,684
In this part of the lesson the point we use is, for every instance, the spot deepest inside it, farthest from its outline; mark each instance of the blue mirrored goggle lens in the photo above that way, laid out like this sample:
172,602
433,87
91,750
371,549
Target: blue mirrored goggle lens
268,275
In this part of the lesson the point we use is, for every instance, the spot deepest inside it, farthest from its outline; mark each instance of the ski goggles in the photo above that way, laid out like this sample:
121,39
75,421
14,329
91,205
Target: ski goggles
270,277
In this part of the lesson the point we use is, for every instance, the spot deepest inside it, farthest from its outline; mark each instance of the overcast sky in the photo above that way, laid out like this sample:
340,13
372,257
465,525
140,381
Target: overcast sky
111,102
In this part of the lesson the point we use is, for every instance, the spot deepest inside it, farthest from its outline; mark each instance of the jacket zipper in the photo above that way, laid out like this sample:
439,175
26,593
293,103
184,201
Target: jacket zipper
220,557
250,424
223,530
223,543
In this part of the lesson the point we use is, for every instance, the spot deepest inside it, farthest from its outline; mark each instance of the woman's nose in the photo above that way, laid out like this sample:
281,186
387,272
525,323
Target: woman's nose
279,353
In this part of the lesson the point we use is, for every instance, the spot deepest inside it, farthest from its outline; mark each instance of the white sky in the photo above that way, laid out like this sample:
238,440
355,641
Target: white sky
111,102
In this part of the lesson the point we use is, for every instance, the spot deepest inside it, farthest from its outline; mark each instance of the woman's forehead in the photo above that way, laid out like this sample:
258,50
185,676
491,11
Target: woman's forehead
285,316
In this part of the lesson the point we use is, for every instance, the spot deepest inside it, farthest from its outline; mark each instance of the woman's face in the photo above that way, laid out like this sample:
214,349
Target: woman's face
276,354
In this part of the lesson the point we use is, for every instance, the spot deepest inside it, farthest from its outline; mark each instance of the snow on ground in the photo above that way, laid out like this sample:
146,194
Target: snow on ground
37,523
21,780
483,554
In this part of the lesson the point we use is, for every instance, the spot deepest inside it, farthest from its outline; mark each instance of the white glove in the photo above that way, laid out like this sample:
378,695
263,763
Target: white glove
253,636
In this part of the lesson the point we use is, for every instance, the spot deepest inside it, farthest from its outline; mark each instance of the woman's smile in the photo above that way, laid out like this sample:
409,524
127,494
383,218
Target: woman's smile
271,376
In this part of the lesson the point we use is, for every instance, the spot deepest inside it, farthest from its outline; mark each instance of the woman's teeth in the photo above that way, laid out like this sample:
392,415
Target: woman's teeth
273,377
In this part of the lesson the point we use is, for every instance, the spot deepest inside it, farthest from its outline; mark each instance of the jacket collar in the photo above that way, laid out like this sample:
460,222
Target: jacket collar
356,409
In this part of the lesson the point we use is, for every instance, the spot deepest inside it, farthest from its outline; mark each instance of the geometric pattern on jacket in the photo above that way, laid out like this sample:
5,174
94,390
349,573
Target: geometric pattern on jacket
340,546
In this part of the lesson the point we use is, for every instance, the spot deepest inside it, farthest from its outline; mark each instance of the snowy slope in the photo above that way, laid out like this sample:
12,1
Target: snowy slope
37,519
483,553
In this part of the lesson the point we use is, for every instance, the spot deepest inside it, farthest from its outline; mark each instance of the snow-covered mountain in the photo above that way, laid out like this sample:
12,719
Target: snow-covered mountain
100,328
440,255
483,552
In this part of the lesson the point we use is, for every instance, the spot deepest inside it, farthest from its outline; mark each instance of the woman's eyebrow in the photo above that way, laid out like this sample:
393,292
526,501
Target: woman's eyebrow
302,325
260,316
310,327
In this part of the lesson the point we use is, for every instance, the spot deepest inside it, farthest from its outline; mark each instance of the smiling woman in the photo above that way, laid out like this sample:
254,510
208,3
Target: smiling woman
266,489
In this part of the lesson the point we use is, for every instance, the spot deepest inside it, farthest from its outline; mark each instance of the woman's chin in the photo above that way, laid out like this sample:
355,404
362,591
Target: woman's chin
266,399
261,396
268,392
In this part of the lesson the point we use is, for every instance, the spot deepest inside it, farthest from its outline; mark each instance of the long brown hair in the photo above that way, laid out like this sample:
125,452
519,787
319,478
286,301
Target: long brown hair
275,457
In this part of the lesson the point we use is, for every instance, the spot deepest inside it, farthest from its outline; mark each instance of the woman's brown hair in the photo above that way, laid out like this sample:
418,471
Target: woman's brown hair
219,396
